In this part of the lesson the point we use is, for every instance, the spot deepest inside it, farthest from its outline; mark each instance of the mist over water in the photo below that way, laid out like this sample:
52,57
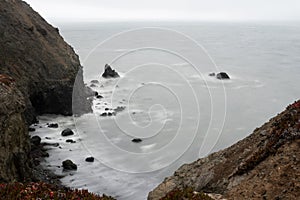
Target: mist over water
170,102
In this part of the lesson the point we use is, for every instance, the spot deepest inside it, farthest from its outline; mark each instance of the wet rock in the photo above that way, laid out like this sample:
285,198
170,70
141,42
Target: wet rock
109,114
103,114
70,141
90,159
53,125
96,94
109,72
106,109
67,132
69,165
222,75
99,96
212,74
44,154
136,140
35,140
30,129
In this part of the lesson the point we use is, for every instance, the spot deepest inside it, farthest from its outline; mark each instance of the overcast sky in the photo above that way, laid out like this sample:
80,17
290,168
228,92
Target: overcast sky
120,10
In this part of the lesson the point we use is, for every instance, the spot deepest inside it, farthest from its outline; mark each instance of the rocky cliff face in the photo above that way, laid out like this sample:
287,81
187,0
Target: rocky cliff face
264,165
37,74
14,148
42,63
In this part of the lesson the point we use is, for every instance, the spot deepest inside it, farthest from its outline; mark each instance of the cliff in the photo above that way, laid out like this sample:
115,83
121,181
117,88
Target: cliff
42,63
265,165
38,70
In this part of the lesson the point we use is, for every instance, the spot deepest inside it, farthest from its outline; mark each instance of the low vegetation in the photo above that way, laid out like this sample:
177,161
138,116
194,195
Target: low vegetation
185,194
43,191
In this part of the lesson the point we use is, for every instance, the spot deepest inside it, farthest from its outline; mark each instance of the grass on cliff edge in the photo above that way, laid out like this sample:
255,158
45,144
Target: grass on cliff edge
185,194
43,191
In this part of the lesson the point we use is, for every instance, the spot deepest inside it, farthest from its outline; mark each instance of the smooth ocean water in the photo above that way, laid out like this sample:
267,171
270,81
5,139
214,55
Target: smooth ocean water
170,102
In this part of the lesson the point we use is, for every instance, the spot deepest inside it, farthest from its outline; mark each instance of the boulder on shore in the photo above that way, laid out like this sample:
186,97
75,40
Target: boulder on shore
35,140
69,165
109,72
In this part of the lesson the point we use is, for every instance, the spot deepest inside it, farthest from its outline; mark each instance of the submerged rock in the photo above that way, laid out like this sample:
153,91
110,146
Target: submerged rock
119,108
212,74
51,144
95,81
222,75
109,72
67,132
69,165
90,159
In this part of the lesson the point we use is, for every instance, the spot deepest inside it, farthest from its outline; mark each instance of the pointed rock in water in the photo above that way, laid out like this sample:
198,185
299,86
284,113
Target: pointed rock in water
222,75
67,132
90,159
136,140
69,165
109,72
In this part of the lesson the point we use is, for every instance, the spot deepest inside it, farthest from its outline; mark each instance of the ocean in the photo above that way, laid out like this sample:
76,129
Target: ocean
167,98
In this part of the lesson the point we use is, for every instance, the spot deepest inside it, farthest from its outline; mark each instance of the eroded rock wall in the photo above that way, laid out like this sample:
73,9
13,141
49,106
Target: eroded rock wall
14,138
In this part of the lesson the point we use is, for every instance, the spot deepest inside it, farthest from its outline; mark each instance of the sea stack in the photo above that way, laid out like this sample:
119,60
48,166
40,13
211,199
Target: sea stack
109,72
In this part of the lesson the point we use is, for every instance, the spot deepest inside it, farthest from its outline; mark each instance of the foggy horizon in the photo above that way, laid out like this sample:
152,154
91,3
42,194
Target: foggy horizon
191,10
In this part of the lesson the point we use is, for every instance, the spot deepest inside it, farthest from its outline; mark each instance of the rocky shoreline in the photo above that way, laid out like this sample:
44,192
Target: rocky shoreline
39,73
